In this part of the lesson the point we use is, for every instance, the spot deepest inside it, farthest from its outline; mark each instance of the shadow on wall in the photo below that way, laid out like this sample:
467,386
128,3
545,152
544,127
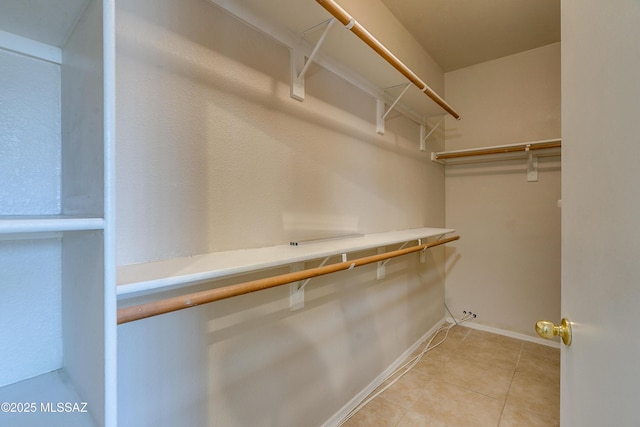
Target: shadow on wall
268,375
250,361
222,58
204,115
269,366
452,257
161,381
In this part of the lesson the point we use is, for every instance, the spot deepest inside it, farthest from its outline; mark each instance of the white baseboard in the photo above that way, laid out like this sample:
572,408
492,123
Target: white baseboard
353,403
474,325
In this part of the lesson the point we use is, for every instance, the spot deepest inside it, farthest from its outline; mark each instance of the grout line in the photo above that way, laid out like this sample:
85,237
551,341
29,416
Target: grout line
504,405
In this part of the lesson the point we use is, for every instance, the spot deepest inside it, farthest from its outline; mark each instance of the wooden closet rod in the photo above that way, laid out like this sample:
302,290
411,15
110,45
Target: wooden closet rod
498,150
348,21
154,308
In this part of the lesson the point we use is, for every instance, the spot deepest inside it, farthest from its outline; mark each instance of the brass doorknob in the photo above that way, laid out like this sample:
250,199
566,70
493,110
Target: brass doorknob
548,330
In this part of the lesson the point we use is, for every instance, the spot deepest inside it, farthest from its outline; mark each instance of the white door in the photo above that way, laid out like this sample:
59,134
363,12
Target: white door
600,371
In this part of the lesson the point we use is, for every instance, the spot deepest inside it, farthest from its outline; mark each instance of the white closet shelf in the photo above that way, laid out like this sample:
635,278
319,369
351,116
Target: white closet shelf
162,275
48,223
298,25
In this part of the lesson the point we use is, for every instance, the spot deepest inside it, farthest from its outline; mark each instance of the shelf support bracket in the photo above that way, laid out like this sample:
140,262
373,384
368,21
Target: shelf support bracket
532,166
296,290
423,253
423,137
382,114
381,264
298,63
379,114
381,270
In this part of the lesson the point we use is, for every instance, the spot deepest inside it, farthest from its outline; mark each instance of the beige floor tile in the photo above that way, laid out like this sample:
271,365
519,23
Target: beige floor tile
465,381
541,350
413,419
489,338
424,369
492,381
457,333
447,404
536,394
493,341
442,350
368,419
407,389
442,353
540,363
489,353
380,410
429,368
513,416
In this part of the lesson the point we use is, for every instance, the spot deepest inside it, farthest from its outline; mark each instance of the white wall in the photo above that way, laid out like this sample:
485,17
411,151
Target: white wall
214,155
30,139
30,270
506,266
215,144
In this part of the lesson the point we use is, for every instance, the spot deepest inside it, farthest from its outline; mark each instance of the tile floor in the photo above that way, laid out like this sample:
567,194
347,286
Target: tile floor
474,378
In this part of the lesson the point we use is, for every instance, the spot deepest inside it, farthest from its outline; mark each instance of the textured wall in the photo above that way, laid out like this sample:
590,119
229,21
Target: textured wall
30,137
30,270
218,156
507,266
30,274
214,155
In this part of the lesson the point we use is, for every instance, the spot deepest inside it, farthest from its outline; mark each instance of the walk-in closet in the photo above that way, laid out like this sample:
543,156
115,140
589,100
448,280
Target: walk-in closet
318,212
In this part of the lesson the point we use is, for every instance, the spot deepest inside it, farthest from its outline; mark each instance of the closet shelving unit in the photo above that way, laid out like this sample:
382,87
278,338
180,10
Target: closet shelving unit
153,277
58,324
310,31
57,316
525,150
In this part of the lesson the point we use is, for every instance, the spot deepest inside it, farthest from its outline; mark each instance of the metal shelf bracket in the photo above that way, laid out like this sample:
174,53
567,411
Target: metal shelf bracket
381,270
423,137
381,114
296,289
299,65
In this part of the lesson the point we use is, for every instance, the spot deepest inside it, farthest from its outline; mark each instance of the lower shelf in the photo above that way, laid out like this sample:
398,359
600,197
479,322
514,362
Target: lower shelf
162,275
45,400
40,224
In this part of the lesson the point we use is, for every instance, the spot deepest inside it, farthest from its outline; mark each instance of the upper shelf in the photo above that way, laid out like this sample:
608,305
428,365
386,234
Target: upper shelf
44,21
161,275
356,28
297,23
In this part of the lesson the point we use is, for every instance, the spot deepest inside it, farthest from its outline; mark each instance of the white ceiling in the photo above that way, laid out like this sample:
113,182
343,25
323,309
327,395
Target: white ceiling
460,33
